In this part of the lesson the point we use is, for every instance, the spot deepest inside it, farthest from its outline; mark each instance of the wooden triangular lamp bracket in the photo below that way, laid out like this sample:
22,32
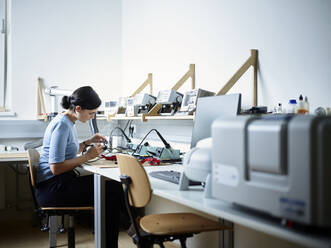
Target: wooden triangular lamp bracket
251,61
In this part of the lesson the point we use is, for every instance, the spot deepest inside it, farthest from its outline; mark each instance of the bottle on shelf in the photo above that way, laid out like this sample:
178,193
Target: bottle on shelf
306,104
301,108
292,106
279,108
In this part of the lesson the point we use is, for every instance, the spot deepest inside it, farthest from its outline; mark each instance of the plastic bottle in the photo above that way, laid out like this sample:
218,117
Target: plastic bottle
292,106
301,109
306,104
279,108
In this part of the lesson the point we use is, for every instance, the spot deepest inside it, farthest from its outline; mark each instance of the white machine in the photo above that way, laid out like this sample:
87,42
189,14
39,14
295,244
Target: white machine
121,105
277,164
170,100
139,104
197,166
54,92
131,107
110,108
190,100
145,102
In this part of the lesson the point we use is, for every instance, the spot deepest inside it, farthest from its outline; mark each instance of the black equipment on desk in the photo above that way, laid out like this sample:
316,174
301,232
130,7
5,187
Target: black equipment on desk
170,100
170,176
93,125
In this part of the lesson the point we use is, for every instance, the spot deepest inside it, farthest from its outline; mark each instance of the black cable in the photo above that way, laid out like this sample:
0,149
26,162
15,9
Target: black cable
125,136
166,144
127,124
131,129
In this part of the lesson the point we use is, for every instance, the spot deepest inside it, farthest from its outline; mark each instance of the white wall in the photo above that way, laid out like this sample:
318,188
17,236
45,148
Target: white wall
74,43
293,39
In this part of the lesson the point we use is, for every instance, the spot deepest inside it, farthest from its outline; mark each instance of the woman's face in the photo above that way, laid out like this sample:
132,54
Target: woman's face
84,115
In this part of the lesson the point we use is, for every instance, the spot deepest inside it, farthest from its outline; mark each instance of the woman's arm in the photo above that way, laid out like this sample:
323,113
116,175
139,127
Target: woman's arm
83,145
70,164
97,138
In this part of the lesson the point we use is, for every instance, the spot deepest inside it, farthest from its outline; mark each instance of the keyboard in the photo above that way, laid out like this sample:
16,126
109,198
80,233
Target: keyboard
170,176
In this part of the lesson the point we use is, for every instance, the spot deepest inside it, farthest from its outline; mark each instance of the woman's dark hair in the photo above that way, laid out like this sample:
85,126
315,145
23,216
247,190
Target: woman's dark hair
84,96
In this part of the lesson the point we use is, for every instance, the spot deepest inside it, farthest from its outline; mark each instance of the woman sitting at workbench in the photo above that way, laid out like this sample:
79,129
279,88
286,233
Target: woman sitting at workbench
58,184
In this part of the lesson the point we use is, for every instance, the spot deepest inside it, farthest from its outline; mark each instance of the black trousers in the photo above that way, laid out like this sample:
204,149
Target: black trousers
68,189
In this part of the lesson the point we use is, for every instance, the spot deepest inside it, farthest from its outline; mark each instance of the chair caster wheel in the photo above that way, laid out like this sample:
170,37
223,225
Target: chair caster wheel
44,228
61,229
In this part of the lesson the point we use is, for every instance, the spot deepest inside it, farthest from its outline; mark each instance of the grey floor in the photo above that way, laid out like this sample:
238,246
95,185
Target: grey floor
17,230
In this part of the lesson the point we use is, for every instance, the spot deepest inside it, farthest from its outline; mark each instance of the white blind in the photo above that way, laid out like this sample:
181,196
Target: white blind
2,52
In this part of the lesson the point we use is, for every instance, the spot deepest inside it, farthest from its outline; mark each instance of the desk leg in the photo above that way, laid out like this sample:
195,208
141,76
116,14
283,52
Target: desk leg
99,211
226,239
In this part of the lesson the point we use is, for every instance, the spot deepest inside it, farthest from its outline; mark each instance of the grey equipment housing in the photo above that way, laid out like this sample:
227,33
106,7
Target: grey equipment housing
170,100
277,165
190,100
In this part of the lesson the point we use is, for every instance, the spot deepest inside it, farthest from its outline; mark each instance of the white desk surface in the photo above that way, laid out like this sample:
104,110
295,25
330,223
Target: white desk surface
194,198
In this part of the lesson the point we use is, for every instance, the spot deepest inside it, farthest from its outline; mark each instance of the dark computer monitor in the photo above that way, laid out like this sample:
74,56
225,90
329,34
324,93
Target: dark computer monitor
210,108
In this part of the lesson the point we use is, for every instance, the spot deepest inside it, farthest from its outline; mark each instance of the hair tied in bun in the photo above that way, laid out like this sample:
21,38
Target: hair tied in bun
65,102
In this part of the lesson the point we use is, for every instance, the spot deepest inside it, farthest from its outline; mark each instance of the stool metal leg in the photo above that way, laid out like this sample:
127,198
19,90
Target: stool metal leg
52,231
71,232
99,211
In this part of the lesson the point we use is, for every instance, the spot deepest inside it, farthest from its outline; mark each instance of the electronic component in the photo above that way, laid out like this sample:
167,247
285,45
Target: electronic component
190,100
140,104
110,108
281,160
131,107
170,100
121,105
162,153
145,102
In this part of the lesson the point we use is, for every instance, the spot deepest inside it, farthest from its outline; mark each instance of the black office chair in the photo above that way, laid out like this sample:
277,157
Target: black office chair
51,213
156,228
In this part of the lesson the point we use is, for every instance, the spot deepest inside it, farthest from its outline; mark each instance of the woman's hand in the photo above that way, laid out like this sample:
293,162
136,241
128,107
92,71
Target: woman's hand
97,138
94,151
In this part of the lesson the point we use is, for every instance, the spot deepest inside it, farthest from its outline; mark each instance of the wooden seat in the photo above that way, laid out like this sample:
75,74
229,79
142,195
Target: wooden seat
156,228
50,212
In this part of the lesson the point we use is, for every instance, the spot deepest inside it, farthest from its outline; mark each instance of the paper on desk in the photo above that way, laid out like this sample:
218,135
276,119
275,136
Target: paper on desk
102,163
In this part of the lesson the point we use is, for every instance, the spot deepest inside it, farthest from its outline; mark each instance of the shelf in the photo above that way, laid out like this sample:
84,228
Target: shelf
101,117
159,117
176,117
110,118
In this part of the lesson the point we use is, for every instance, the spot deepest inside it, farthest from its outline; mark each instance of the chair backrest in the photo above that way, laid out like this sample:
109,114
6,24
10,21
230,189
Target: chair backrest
140,188
33,158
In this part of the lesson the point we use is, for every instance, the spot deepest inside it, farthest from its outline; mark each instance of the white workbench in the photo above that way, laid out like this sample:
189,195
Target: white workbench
194,198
